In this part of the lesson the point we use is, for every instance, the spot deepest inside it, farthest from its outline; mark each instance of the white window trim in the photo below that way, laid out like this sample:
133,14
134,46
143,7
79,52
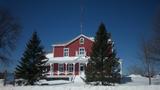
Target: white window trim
65,52
80,40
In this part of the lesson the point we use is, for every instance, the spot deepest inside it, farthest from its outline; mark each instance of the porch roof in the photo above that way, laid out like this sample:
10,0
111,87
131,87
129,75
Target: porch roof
68,59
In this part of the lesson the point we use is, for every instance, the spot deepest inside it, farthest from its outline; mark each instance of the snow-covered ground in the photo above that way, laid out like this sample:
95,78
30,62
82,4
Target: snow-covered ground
133,82
136,80
1,82
85,87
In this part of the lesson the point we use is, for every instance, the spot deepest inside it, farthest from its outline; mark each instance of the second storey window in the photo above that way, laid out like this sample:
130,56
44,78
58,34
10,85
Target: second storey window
66,52
81,51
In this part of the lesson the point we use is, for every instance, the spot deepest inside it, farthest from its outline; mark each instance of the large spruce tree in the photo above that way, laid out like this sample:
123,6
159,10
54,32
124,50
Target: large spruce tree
32,65
103,66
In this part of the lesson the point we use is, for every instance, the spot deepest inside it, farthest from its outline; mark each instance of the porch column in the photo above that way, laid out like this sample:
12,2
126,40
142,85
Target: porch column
65,68
51,72
86,63
58,70
73,68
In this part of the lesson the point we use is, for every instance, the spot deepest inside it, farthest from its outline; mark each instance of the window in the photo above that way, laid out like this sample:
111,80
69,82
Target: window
81,51
70,67
61,67
66,52
81,40
82,67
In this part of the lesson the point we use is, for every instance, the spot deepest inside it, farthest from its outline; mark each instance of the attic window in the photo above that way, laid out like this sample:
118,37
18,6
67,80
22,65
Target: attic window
81,40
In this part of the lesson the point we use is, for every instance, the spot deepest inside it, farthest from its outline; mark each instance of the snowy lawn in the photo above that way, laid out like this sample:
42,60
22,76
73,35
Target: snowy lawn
135,82
1,83
85,87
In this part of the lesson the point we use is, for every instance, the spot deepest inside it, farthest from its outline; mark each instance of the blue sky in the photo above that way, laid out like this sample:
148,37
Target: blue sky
59,20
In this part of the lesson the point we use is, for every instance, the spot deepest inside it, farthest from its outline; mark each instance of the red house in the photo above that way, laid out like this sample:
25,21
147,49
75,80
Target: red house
68,59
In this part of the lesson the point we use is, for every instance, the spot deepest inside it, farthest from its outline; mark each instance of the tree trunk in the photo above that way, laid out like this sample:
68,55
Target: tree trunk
102,75
147,60
149,74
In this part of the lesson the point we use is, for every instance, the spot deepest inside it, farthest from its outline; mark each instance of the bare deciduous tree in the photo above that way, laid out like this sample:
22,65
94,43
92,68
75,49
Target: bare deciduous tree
9,32
135,69
145,57
155,40
151,49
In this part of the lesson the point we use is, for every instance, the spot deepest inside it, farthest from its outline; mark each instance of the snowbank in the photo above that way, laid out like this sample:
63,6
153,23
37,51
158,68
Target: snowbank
135,76
53,82
138,80
1,82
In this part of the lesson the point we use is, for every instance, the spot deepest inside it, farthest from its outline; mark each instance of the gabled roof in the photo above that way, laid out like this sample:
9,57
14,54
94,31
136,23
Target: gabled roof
81,35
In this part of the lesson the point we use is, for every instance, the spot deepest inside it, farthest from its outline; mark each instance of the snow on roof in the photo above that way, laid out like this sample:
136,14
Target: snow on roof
91,38
49,55
81,35
67,59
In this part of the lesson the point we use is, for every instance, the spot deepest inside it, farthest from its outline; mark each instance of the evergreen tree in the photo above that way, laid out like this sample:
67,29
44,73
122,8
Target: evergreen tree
32,65
103,66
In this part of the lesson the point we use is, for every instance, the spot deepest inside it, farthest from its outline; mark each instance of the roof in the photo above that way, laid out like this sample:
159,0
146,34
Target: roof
74,59
81,35
49,55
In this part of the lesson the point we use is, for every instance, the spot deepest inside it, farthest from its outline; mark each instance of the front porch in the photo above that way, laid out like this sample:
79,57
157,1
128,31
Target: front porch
66,67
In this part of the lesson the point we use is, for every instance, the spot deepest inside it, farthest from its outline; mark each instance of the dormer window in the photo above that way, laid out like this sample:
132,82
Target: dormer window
81,40
66,52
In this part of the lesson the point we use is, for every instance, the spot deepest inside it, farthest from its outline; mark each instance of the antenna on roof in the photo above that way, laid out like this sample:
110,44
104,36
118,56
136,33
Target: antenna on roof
81,15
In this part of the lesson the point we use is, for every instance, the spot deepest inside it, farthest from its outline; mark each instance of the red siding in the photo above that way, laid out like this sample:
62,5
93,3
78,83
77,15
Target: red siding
58,51
73,47
55,68
77,69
